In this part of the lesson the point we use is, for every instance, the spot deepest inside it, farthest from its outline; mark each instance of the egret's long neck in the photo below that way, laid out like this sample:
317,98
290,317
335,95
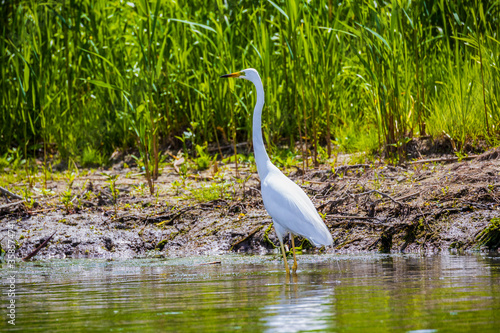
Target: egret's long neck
259,149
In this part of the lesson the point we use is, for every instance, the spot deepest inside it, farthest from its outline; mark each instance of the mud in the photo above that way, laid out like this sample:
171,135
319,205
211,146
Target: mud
439,205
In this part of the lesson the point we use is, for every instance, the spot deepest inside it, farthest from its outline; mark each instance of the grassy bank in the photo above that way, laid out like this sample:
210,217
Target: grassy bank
82,78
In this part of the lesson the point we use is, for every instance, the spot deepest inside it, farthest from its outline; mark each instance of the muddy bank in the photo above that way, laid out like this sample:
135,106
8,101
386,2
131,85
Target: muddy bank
421,206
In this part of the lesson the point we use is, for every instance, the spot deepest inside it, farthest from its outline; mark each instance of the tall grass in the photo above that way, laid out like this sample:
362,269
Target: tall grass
357,74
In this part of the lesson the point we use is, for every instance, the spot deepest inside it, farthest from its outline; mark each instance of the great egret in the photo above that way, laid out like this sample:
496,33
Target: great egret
290,208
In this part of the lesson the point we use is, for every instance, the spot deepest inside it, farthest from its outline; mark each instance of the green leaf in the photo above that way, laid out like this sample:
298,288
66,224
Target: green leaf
376,35
105,60
102,84
279,9
194,23
161,55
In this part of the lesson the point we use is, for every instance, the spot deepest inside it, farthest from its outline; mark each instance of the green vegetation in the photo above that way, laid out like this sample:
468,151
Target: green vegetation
115,192
490,236
82,78
210,192
91,158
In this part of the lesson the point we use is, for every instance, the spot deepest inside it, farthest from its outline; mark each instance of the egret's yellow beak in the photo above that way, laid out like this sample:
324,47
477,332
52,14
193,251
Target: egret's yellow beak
236,74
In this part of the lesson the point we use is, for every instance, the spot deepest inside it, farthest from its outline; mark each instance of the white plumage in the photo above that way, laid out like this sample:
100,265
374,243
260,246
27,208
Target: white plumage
290,208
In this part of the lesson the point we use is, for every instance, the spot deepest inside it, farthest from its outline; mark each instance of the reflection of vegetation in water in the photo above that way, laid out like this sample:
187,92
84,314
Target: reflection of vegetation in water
332,293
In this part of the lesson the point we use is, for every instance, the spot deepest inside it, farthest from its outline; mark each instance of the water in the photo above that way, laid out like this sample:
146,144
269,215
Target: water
330,293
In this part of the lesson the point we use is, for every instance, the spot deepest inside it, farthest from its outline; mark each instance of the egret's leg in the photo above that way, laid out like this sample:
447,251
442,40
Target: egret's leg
294,267
284,257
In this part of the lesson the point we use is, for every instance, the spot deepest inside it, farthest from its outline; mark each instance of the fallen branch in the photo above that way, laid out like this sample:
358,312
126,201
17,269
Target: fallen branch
354,217
437,214
168,218
9,193
349,241
408,196
127,217
382,194
251,233
333,203
444,159
350,166
254,189
162,219
213,203
34,253
210,263
11,204
41,210
173,216
315,182
35,204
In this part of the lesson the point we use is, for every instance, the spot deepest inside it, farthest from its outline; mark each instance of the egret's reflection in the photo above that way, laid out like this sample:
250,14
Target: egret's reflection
300,309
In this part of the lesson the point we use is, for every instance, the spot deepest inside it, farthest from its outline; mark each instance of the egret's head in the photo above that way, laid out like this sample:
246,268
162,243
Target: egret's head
249,74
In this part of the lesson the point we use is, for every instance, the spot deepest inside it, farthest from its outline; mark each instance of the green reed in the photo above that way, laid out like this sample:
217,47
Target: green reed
357,75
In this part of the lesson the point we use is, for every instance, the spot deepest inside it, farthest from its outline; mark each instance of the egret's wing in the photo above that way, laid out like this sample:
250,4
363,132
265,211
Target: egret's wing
292,209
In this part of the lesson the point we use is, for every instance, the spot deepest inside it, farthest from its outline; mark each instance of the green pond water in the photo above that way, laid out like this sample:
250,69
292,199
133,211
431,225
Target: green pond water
330,293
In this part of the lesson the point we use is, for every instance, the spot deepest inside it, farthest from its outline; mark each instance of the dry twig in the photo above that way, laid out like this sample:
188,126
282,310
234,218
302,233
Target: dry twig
251,233
10,194
34,253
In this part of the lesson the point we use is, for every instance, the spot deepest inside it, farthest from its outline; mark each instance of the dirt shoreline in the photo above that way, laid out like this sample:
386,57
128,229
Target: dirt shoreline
417,207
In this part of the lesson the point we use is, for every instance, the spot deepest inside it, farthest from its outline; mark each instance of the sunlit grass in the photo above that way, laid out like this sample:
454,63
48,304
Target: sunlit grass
81,79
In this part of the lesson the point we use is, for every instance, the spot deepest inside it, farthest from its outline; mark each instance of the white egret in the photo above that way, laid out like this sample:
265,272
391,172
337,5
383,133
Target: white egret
290,208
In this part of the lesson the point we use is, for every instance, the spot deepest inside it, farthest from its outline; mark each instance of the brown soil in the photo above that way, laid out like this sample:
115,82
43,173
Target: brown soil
418,206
